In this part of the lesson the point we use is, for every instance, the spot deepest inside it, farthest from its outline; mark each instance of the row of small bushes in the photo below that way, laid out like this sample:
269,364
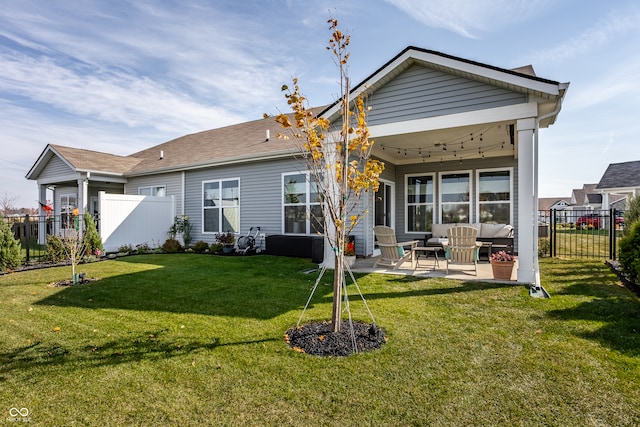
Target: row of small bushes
172,246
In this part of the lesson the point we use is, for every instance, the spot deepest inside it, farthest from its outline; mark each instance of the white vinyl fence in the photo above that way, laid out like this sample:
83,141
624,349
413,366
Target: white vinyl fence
132,220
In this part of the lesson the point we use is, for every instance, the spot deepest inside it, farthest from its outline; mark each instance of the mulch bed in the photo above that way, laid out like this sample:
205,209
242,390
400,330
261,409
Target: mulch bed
318,338
616,268
69,282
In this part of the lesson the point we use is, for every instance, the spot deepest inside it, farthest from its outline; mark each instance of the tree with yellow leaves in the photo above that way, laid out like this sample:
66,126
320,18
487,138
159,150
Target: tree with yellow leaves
338,157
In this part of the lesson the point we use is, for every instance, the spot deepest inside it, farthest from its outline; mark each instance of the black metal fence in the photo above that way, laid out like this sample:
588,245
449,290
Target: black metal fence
581,233
26,229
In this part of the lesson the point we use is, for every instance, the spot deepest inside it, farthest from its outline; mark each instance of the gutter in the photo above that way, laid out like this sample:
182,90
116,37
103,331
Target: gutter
536,289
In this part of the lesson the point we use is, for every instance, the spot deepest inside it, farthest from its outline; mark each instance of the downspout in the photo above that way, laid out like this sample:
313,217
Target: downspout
536,268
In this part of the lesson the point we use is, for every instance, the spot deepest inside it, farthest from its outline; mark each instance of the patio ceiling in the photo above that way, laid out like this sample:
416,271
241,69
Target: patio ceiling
460,143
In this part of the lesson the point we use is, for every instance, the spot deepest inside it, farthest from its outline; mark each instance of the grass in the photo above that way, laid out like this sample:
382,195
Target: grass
591,243
195,339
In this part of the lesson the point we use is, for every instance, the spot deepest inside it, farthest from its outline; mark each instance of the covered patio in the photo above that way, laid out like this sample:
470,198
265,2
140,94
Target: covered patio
427,267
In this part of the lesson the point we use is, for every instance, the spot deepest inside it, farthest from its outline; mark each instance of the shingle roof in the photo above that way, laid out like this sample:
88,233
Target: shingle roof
545,203
227,144
88,160
621,175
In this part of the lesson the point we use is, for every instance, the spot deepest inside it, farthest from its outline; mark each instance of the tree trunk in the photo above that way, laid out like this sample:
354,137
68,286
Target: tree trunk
338,275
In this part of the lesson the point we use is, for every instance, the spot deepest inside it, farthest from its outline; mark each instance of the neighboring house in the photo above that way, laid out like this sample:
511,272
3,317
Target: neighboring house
458,138
585,198
558,203
620,182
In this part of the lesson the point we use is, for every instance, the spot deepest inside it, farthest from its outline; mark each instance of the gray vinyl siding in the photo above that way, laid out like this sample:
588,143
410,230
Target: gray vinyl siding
436,168
421,92
172,182
260,194
55,168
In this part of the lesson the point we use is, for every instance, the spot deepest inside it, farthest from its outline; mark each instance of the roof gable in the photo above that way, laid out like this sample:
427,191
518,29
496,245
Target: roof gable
421,91
621,175
515,81
55,158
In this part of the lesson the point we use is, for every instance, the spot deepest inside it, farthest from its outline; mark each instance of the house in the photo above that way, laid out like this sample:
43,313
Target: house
557,203
620,182
459,140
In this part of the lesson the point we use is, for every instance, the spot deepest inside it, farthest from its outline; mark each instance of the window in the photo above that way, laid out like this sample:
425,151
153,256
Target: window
455,197
494,196
301,204
160,191
419,203
221,206
69,211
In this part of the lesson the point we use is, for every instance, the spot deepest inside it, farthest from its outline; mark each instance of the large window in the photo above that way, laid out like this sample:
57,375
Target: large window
159,190
455,197
494,196
301,204
419,203
221,206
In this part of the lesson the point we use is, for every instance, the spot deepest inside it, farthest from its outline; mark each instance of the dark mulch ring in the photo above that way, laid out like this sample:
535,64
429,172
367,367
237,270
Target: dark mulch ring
69,282
318,338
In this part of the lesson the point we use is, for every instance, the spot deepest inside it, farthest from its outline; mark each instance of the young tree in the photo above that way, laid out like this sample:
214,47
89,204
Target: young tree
7,202
339,159
74,247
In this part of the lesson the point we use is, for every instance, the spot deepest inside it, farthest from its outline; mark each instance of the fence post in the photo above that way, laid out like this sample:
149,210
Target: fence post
552,233
27,233
612,234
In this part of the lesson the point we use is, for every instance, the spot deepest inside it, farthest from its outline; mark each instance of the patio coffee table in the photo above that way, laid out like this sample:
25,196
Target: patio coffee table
426,249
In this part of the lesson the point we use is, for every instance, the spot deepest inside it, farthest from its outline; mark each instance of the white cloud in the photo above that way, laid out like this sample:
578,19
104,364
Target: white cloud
469,18
615,24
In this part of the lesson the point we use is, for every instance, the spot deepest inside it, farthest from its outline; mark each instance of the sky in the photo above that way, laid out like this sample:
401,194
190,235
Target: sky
122,76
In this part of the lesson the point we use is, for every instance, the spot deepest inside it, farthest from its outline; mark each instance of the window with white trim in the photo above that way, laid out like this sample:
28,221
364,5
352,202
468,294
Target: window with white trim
301,198
455,197
495,196
419,202
221,206
69,211
159,190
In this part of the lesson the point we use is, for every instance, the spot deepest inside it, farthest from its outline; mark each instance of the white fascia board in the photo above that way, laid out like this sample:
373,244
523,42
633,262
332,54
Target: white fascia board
490,115
104,176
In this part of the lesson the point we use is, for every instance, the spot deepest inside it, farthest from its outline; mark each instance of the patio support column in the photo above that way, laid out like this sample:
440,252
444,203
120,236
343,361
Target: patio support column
605,201
42,215
526,203
83,195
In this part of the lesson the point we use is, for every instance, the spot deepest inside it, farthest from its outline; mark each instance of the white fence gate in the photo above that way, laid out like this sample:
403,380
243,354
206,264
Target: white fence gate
132,220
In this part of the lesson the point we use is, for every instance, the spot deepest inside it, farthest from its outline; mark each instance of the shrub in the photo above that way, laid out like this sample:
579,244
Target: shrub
55,249
227,238
92,240
142,248
125,249
171,246
181,225
10,251
215,248
630,253
200,246
544,246
632,215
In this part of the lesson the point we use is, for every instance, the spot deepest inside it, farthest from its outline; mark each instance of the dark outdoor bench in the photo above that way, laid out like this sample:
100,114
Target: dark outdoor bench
296,246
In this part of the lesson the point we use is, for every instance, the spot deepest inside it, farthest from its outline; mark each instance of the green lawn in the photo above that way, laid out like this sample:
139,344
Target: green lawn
198,340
